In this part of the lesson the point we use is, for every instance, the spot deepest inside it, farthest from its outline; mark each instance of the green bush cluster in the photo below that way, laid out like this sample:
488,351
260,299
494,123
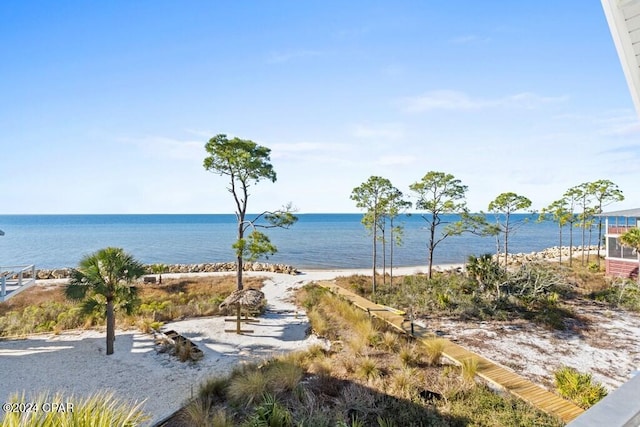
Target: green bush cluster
45,317
578,387
486,291
623,293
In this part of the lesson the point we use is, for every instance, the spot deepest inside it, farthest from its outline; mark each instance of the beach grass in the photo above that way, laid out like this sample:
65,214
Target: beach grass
45,309
369,387
98,410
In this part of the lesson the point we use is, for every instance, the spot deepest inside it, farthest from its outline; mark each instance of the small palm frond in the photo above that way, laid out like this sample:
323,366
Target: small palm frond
93,306
76,291
127,298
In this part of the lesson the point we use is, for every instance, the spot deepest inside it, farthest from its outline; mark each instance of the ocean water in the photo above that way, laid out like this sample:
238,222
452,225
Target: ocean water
315,241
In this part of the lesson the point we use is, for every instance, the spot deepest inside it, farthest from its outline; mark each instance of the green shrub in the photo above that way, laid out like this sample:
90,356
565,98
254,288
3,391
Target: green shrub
594,267
45,317
248,387
270,413
214,388
283,376
624,293
578,387
485,271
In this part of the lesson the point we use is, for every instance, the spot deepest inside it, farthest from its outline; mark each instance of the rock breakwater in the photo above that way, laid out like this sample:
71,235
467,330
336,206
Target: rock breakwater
549,254
64,273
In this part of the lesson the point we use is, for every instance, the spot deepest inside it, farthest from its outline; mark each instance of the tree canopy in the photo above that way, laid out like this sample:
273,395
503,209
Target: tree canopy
372,196
438,194
507,204
559,212
247,163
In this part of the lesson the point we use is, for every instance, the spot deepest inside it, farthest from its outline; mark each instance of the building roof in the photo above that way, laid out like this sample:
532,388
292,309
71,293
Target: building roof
628,213
623,17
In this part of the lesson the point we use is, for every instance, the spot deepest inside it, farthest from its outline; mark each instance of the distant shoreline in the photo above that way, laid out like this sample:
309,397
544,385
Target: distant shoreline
548,254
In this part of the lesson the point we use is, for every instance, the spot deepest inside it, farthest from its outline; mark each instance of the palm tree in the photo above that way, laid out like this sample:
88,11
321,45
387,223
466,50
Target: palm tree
631,239
103,281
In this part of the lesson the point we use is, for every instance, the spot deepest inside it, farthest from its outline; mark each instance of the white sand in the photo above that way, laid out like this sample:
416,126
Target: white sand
608,349
75,363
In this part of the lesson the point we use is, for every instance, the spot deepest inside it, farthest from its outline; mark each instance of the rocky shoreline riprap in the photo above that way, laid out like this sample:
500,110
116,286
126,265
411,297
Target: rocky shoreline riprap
549,254
63,273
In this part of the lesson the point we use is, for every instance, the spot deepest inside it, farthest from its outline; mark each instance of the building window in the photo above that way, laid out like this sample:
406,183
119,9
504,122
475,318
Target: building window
616,250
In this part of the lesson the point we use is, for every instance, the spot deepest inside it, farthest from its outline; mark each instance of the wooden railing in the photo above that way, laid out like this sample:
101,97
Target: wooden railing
16,278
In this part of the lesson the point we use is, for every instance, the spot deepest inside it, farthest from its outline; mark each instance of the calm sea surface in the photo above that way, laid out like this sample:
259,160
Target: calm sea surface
315,241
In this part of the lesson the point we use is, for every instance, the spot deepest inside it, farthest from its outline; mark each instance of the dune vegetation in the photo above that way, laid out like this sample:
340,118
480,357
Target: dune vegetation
368,376
46,309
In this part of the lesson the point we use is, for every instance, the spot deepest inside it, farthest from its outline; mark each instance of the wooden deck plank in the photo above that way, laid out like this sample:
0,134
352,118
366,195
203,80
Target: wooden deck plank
504,378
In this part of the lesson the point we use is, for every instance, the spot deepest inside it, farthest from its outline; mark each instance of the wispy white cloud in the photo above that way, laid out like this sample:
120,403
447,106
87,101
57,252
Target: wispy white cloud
378,131
460,101
469,39
289,55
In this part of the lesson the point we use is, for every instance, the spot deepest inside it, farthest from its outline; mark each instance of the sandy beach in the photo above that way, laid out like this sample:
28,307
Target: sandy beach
74,362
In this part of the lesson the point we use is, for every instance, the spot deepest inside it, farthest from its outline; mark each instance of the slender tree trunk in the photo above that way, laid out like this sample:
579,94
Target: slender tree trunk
393,243
432,237
599,236
589,245
384,258
584,230
506,240
375,244
570,244
239,256
560,261
111,326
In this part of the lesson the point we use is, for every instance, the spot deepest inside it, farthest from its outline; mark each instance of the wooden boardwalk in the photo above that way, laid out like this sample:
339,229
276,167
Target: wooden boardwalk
497,375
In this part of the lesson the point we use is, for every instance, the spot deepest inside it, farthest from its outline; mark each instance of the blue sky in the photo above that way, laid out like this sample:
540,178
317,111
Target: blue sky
106,106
